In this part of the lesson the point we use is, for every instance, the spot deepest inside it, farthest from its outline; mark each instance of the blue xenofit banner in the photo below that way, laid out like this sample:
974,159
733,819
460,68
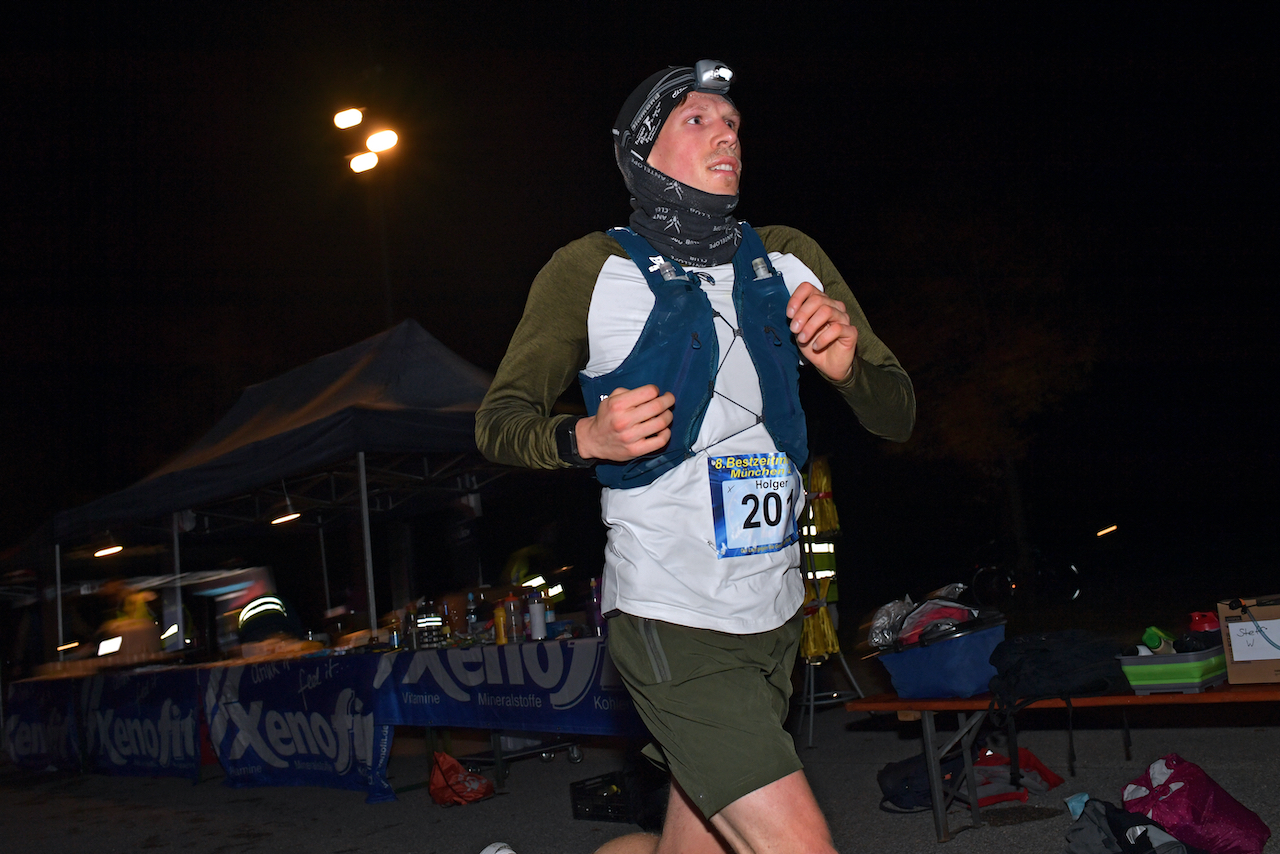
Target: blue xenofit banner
299,722
552,686
312,721
142,723
40,725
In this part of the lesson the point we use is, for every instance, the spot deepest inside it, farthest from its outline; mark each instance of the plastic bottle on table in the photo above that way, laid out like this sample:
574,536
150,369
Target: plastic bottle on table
537,617
409,626
446,633
514,619
471,613
1158,640
1205,632
499,624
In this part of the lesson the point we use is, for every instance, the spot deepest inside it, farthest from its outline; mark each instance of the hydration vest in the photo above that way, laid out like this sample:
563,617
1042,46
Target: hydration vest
678,352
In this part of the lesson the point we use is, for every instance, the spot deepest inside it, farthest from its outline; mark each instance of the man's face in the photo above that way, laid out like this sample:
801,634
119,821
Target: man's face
698,145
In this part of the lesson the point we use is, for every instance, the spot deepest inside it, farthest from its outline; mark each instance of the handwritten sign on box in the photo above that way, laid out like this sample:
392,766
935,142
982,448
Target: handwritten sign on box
1247,642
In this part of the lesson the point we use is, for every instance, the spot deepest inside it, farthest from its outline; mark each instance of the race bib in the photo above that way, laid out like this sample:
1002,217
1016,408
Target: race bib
753,503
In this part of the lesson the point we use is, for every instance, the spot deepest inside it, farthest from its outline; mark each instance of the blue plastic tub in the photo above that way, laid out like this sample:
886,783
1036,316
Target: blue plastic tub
954,666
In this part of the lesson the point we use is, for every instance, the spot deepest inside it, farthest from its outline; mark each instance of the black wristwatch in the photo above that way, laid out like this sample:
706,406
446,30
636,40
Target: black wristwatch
567,444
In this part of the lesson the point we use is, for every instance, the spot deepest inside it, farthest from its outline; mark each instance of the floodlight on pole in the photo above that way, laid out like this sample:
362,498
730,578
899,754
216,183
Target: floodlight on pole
364,162
382,140
348,118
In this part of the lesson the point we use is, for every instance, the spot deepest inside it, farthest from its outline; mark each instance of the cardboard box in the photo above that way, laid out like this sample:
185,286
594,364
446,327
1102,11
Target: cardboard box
1250,658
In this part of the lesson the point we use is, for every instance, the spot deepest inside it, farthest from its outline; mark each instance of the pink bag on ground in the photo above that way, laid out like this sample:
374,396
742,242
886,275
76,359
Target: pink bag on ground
1182,799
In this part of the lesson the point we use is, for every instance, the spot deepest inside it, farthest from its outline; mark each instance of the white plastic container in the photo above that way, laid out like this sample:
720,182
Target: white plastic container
537,619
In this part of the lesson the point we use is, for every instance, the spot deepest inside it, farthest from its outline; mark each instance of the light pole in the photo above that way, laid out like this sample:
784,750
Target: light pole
380,141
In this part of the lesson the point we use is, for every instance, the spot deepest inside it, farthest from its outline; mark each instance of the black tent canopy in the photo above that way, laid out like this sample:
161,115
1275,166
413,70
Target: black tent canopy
400,393
370,425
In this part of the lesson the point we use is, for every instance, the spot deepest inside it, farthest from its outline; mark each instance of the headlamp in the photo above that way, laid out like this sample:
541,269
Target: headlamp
712,76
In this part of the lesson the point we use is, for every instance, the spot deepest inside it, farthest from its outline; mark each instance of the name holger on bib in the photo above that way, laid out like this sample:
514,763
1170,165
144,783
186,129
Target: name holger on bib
753,503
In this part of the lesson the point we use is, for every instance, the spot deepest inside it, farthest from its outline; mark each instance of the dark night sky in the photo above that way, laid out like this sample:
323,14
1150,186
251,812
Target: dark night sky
180,221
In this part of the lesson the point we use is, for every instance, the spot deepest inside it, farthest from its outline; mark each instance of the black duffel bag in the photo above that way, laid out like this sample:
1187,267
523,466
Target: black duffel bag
905,784
1062,664
1052,665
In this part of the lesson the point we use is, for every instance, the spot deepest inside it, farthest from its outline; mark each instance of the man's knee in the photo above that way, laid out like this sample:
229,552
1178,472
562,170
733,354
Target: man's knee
782,816
632,843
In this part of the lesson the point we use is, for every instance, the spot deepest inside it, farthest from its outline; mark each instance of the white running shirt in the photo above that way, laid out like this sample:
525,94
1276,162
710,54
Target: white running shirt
674,554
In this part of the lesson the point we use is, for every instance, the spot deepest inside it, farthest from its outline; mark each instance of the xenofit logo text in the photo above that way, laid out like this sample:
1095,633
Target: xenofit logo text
168,739
544,665
343,736
38,739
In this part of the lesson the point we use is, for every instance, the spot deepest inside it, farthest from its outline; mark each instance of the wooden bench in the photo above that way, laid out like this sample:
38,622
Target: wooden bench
972,711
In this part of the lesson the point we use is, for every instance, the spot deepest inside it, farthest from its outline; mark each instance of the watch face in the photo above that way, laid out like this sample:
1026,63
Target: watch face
567,443
566,446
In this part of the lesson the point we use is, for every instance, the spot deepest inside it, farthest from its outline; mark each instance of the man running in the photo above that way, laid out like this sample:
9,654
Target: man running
686,332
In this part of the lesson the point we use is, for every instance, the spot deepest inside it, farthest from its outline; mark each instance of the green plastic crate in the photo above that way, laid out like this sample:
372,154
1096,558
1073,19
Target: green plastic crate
1181,672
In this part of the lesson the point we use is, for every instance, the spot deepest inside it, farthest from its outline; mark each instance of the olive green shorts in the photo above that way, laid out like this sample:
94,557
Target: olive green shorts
715,703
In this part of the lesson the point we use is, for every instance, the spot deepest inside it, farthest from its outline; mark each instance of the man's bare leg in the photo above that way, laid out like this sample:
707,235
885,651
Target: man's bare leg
632,843
684,831
780,818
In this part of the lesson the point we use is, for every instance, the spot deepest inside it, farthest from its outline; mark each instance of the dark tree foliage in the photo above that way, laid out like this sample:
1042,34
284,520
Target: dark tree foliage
989,327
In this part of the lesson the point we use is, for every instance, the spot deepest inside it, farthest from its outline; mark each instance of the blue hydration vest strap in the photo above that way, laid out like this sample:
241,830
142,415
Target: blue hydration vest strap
760,299
678,352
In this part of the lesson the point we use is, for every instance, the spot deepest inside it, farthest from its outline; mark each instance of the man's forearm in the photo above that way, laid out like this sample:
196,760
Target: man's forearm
513,434
882,398
515,424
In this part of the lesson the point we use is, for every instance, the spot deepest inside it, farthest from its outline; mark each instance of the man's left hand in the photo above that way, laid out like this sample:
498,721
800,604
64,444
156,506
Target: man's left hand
823,333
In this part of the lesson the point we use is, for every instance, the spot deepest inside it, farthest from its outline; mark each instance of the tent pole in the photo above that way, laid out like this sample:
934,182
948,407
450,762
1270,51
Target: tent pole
368,548
57,579
324,569
177,586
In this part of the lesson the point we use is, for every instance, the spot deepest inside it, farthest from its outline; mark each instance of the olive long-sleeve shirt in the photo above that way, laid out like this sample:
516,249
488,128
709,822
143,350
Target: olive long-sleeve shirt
514,424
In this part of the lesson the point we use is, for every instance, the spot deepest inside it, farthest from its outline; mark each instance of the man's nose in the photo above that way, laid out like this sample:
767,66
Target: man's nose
726,135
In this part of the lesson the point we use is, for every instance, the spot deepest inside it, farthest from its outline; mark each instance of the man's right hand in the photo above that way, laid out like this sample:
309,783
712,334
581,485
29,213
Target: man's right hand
629,423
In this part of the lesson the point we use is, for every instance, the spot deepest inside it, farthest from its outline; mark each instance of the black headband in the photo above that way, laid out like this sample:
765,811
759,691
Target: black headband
647,108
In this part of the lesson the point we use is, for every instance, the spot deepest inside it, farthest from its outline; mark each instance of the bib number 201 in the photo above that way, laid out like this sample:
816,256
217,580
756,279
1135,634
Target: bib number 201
772,508
753,503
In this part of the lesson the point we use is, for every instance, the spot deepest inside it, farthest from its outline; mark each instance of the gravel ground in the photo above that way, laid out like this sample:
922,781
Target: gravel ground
54,813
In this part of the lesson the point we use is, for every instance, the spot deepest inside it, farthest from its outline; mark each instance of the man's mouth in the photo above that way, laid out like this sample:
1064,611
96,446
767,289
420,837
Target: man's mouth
725,164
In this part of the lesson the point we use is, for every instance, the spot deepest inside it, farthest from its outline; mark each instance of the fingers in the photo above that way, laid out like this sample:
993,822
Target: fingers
828,333
638,415
640,404
816,319
629,423
823,332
